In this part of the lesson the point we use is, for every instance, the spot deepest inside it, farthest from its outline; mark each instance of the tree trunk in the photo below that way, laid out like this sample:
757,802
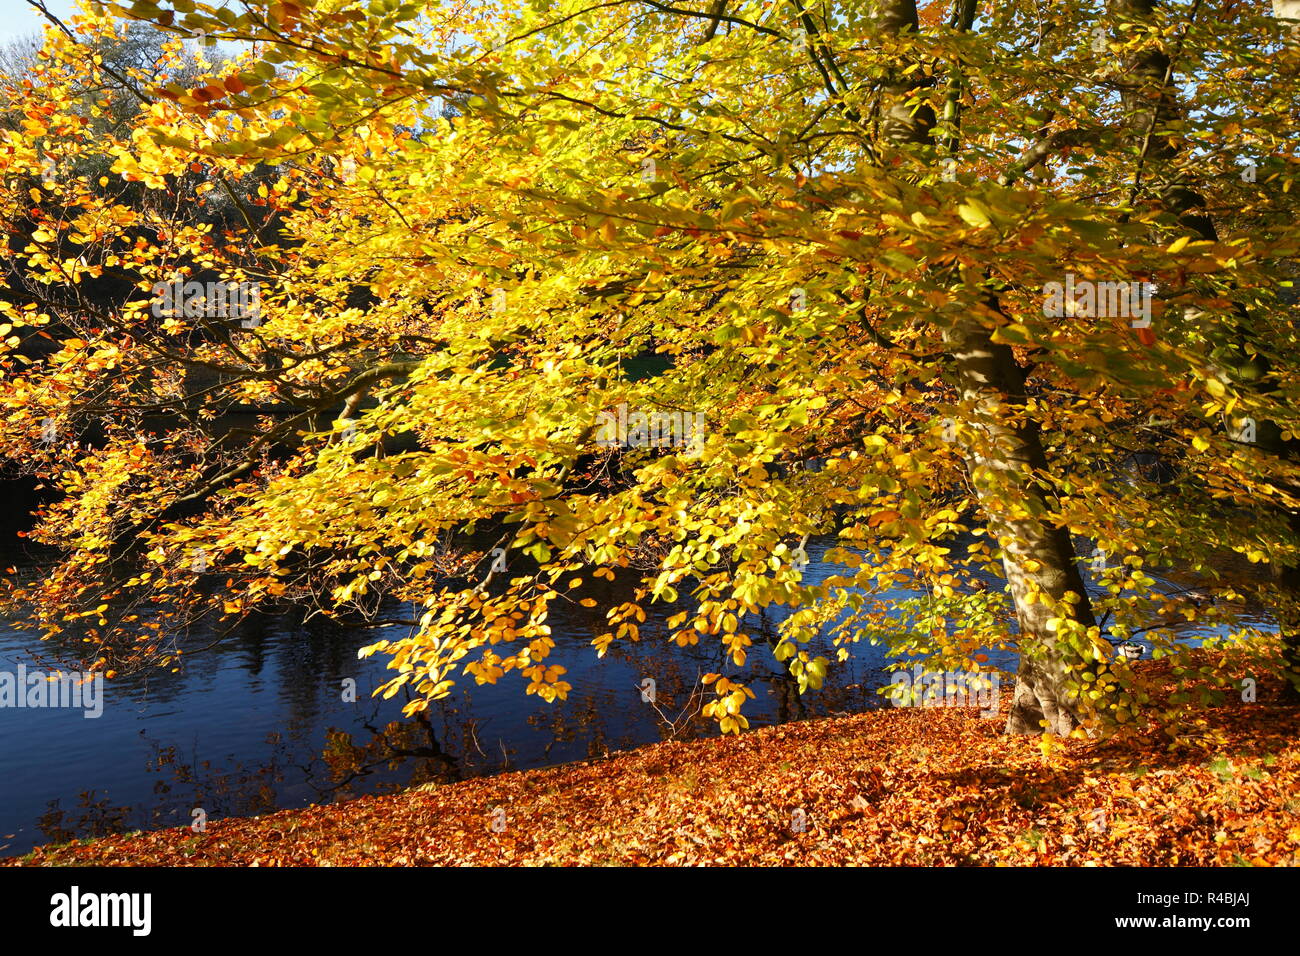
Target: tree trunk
1038,557
1003,460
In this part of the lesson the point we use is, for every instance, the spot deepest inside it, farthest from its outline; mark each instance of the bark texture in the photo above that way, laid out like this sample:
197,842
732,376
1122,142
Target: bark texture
1006,459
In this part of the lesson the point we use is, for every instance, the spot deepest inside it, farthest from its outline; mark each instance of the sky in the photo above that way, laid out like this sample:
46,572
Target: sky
19,19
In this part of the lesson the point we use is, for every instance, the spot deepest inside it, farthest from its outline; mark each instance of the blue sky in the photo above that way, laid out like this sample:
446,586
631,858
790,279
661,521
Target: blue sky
18,18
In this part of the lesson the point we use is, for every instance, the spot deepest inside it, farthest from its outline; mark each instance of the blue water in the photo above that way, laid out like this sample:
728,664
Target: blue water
260,722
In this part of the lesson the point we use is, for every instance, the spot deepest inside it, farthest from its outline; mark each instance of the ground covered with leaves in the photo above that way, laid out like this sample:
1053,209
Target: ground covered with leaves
905,786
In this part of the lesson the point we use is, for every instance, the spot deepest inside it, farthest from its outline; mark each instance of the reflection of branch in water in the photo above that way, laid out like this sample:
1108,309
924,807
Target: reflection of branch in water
386,748
97,820
687,715
471,726
241,791
505,757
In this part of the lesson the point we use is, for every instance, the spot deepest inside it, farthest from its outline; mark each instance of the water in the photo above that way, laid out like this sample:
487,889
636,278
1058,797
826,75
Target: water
260,722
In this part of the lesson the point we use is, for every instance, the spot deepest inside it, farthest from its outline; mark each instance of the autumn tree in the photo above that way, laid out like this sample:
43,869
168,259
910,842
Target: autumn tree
845,229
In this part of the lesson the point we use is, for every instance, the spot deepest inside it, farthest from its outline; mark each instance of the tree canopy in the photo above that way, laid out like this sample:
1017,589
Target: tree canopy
980,288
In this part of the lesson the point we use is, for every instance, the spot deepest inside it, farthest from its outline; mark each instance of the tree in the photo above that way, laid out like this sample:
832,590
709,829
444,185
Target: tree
930,279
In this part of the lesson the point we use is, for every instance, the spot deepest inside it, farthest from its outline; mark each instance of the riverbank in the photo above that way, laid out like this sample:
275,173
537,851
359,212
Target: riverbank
905,786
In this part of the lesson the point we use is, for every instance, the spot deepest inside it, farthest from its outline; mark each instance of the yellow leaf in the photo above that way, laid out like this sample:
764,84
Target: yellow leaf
974,213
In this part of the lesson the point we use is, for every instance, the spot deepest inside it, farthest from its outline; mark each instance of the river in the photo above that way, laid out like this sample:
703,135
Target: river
263,721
